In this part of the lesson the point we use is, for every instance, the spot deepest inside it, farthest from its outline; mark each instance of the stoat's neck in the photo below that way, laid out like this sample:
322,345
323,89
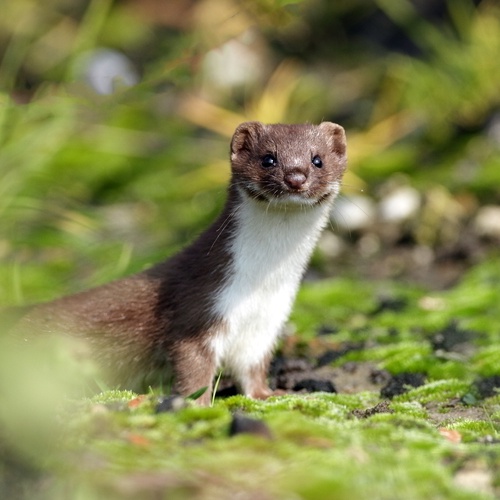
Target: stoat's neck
273,240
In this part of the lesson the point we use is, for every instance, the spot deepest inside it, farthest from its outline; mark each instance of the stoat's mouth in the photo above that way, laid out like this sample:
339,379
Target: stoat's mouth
287,196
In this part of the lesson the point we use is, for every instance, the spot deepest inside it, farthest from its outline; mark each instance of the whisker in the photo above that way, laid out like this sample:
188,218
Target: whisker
346,224
330,223
353,187
350,200
220,230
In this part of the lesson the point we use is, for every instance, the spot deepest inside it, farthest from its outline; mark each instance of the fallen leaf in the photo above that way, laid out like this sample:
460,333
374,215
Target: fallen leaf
451,435
136,402
138,440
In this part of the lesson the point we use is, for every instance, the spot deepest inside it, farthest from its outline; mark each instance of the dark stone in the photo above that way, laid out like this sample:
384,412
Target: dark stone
451,336
281,365
332,355
327,330
400,383
329,357
314,385
389,304
170,404
227,391
284,371
242,424
488,386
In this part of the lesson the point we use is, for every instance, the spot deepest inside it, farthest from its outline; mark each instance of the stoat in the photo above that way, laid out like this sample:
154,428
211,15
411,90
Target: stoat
222,301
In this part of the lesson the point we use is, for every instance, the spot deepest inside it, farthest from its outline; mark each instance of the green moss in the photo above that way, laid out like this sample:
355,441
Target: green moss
486,362
449,369
333,302
113,396
411,408
407,356
351,402
437,391
474,430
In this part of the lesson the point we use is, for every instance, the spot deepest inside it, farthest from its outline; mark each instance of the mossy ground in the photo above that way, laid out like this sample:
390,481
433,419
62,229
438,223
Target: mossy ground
438,440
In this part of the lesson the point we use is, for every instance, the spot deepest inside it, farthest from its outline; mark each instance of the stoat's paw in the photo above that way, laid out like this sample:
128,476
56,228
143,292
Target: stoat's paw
267,393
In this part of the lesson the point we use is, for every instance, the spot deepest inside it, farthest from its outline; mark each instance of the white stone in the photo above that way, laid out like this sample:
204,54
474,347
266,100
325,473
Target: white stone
234,64
401,204
487,221
106,70
330,244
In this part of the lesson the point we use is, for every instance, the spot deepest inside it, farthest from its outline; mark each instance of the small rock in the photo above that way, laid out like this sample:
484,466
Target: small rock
382,407
400,383
478,480
493,129
314,385
401,204
429,303
285,371
170,404
237,62
452,338
329,357
326,330
487,221
488,386
242,424
394,304
107,69
281,365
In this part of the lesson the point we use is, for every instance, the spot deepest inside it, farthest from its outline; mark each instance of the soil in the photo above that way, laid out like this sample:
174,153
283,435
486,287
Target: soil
442,413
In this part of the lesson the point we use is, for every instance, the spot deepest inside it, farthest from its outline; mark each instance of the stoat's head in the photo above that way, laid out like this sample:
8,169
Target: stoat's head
291,164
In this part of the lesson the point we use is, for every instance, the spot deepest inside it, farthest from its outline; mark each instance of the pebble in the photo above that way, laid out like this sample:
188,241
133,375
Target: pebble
314,385
170,404
399,205
242,424
235,63
487,221
107,69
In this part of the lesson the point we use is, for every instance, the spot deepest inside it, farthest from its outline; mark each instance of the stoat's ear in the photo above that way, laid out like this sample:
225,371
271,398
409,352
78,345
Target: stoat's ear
335,138
246,137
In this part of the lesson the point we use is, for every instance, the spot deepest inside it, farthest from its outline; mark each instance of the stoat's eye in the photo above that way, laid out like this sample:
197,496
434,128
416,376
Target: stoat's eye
269,161
316,161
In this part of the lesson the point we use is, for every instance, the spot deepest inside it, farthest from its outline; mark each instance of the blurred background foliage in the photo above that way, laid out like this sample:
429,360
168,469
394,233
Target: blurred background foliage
115,119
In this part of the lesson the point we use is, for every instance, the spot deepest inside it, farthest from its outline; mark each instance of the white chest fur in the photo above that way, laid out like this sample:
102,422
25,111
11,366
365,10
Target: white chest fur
270,252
